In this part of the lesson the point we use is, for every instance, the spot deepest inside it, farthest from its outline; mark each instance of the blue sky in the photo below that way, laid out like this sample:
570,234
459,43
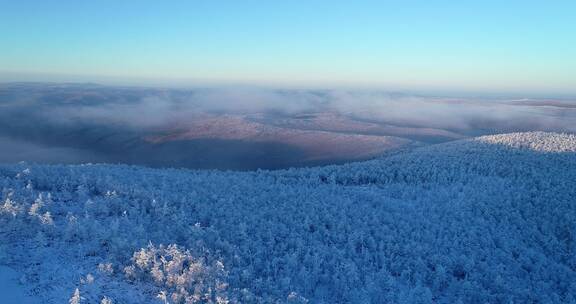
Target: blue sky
453,45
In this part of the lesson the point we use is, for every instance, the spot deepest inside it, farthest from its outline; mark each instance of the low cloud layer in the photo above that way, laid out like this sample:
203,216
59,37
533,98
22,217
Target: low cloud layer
457,114
88,122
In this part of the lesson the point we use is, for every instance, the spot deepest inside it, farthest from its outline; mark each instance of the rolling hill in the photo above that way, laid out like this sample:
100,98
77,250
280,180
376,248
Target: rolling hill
480,220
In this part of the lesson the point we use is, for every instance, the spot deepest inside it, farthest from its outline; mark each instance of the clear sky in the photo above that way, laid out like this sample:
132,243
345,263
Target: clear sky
478,45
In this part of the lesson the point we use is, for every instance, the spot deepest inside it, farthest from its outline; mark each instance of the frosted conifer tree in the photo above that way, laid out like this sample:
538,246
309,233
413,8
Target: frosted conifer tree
76,298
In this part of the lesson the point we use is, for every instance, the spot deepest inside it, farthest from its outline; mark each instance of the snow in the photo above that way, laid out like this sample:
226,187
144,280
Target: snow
483,220
11,292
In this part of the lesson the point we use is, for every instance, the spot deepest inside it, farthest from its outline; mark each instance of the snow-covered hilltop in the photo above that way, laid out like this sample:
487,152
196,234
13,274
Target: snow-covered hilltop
536,141
483,220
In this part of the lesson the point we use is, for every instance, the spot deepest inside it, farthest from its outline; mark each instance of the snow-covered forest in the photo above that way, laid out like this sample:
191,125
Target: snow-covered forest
484,220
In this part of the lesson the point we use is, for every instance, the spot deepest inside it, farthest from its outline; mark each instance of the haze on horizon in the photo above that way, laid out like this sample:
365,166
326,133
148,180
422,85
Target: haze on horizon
483,46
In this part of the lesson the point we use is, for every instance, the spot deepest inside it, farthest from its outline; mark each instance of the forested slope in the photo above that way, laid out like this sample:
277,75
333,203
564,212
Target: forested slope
484,220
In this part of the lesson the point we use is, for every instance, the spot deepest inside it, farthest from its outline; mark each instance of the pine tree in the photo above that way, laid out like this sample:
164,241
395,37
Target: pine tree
76,298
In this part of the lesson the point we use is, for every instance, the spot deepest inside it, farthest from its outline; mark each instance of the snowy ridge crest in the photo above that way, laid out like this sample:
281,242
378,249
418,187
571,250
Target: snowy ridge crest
547,142
535,141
